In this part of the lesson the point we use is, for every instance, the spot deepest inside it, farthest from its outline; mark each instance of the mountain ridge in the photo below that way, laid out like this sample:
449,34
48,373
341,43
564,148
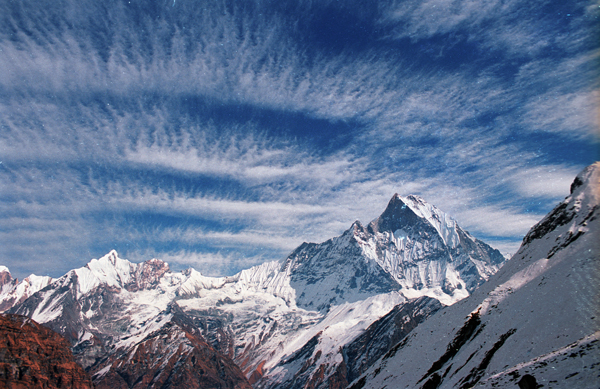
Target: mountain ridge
535,322
322,297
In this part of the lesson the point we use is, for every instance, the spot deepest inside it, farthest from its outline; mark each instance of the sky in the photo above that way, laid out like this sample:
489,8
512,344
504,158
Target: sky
222,134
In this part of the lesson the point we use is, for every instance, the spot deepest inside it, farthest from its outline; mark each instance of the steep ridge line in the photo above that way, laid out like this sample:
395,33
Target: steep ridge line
538,314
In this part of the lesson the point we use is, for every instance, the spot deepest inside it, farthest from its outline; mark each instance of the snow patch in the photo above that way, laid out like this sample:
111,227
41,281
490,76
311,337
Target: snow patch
520,278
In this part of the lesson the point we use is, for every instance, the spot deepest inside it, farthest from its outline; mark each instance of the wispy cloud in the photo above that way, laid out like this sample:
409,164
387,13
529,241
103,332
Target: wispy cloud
223,131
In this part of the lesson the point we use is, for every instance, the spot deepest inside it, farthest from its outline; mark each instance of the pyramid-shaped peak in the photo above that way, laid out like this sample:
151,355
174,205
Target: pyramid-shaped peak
413,204
413,213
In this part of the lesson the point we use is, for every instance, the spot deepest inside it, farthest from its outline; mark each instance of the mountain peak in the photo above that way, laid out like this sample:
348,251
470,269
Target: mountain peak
575,211
413,214
112,256
5,276
112,271
396,214
588,180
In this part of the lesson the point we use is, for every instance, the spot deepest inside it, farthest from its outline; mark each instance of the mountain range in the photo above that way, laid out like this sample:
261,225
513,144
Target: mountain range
409,300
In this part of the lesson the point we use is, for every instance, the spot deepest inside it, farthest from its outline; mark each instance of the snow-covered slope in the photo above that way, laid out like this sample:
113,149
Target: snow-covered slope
536,321
13,292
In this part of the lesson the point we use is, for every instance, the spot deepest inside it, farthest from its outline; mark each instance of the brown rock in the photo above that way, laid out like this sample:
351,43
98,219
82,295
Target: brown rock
176,356
33,356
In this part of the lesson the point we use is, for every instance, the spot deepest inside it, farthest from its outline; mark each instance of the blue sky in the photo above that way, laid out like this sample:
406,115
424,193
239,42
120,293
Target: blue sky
221,134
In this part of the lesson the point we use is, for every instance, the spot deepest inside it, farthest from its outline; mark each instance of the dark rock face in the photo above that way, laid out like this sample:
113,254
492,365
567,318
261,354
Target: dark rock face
147,275
528,382
5,278
398,215
33,356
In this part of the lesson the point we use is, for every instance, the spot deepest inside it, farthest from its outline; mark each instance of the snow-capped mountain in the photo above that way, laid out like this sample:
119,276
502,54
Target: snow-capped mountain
292,323
113,311
413,247
13,292
535,323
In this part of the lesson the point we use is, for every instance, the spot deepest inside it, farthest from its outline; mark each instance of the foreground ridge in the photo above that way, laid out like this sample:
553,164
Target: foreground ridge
535,322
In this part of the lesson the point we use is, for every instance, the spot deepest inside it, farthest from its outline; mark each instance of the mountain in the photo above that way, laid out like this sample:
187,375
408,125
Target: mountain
535,323
412,246
113,311
301,322
33,356
13,292
175,355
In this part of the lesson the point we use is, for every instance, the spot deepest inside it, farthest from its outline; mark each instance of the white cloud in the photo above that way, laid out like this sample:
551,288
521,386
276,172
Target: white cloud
544,181
415,130
421,19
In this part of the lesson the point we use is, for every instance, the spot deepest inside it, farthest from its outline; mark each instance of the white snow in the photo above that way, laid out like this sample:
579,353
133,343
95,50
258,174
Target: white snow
109,270
342,324
442,222
48,310
17,293
543,301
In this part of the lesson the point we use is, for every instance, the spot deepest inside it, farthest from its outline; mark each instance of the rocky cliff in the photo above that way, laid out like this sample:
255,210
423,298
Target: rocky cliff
33,356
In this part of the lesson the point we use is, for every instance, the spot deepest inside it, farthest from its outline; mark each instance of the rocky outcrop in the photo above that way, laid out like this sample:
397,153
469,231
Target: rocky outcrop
33,356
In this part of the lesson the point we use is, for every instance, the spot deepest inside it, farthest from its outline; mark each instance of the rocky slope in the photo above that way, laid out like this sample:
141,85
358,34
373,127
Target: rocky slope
534,323
295,323
33,356
173,356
